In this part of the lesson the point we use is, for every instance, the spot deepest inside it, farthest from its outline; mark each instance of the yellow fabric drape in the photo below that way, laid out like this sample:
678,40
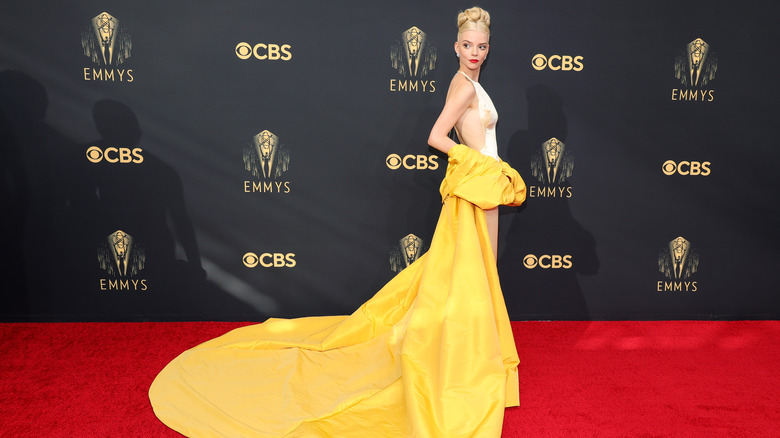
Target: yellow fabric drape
430,355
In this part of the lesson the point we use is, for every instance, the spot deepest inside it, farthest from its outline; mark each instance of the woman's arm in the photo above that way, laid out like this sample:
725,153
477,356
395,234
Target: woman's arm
460,98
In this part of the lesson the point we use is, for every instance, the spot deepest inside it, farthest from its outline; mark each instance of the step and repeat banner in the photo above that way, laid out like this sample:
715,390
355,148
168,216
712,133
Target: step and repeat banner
243,159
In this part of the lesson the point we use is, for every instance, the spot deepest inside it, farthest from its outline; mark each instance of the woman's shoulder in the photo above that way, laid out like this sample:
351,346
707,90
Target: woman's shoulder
461,87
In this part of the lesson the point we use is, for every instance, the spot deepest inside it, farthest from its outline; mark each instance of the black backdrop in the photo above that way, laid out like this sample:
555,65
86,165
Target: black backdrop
133,187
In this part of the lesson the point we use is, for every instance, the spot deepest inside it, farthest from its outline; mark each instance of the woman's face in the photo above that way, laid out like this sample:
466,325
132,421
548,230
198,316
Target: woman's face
473,49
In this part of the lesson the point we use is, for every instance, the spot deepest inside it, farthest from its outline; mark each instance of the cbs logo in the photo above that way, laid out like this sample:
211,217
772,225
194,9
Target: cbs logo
412,162
264,51
547,261
557,62
268,260
686,168
115,155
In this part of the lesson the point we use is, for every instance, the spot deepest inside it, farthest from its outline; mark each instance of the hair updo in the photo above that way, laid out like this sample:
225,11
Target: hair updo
474,18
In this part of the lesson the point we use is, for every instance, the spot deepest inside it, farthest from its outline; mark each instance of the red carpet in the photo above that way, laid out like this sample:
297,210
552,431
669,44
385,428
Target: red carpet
578,379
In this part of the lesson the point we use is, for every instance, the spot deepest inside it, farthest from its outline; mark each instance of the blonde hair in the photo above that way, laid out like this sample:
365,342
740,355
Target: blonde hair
474,18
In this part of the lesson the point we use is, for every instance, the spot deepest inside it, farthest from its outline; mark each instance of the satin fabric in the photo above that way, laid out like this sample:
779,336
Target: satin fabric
430,355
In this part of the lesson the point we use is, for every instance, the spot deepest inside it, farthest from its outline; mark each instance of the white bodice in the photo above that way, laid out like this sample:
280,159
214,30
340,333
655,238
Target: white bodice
487,112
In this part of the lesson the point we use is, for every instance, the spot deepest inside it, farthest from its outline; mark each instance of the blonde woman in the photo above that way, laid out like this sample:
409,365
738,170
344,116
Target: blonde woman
430,355
468,107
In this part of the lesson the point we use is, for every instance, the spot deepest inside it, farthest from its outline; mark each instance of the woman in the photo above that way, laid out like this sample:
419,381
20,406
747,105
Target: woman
468,108
430,355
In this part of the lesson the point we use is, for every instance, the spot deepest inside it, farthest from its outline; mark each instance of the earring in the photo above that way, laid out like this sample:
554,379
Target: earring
457,54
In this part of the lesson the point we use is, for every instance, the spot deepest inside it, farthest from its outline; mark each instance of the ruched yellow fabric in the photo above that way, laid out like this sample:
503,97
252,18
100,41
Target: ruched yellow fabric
430,355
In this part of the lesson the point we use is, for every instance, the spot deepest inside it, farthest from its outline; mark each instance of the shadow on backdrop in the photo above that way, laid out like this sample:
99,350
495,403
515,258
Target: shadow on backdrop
134,205
34,196
546,225
91,231
414,203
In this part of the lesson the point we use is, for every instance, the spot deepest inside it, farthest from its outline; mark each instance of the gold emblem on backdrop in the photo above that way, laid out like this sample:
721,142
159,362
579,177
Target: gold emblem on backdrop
412,162
264,51
548,261
107,45
266,158
409,249
413,56
105,42
119,256
695,168
269,260
678,260
552,163
557,62
696,65
695,68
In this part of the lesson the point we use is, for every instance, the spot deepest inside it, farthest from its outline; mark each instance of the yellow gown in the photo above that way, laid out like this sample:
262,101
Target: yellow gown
430,355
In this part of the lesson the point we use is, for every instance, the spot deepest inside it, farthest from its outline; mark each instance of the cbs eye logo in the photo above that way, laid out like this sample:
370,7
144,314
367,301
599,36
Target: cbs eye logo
263,51
269,260
557,62
115,155
547,261
686,168
412,162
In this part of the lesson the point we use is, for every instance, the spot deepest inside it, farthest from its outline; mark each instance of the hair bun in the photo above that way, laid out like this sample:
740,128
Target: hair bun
474,18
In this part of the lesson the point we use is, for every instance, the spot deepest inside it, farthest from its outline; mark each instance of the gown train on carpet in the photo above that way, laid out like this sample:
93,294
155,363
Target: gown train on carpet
430,355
